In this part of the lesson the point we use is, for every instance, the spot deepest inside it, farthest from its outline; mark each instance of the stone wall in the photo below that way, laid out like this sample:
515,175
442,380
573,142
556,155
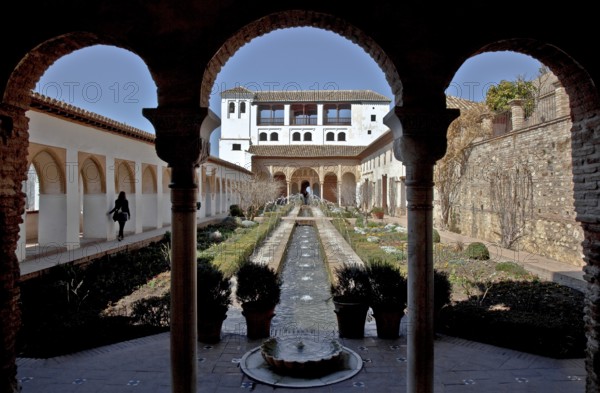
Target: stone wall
545,150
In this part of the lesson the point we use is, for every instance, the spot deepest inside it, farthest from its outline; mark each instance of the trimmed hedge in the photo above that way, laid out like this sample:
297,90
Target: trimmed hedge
230,255
544,318
478,250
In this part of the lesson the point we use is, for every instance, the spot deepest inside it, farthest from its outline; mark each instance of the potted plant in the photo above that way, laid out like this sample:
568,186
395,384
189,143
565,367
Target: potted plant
388,297
258,291
214,299
377,212
351,293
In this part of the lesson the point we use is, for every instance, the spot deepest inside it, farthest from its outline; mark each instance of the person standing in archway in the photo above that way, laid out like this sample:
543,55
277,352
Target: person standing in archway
121,213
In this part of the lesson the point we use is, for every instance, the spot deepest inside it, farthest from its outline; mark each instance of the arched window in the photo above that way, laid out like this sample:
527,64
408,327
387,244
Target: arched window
242,107
262,136
330,136
231,108
274,136
296,136
342,136
307,136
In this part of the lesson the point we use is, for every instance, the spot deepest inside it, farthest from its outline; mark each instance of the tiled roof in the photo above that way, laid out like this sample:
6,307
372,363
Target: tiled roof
237,92
308,95
460,103
305,150
63,109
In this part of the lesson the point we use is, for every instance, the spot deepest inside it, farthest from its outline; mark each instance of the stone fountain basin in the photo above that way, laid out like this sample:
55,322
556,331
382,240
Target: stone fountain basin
302,358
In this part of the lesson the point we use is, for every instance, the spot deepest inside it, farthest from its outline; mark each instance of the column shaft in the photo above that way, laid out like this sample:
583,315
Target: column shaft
420,140
184,334
179,143
420,278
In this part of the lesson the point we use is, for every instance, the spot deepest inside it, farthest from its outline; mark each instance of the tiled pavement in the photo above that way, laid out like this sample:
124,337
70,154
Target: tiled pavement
143,365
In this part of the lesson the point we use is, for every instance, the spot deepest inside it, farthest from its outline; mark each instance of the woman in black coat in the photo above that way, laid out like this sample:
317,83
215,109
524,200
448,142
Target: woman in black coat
121,213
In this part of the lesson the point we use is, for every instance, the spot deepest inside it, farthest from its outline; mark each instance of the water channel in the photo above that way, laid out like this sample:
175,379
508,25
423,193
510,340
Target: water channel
306,306
303,350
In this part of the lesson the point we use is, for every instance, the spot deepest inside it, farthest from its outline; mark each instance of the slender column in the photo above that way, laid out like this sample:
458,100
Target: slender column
138,197
420,140
178,142
339,185
72,199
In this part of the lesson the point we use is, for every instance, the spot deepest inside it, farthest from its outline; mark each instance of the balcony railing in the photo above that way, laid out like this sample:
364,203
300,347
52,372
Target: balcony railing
337,121
270,121
303,121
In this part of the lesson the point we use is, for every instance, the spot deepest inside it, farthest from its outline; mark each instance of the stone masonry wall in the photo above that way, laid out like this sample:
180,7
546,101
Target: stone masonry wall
13,170
546,151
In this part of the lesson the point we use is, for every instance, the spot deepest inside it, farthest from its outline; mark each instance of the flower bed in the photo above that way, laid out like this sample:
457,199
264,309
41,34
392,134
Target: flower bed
496,302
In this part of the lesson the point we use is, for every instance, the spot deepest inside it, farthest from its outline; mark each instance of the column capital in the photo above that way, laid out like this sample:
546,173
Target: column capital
420,133
179,141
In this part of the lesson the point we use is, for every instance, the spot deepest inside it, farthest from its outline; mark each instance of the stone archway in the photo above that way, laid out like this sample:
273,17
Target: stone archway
299,18
330,187
303,177
280,177
149,197
348,189
584,112
427,53
94,198
52,218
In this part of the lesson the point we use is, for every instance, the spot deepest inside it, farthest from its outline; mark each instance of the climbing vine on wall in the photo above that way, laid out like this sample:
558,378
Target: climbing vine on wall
511,195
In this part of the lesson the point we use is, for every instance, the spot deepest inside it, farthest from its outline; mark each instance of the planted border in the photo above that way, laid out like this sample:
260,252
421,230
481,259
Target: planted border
229,255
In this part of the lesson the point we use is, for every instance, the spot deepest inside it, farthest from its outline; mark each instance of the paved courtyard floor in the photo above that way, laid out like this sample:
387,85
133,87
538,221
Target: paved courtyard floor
142,365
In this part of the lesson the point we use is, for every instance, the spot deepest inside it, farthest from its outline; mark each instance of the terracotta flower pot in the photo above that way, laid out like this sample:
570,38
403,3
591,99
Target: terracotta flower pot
351,319
258,321
387,322
209,328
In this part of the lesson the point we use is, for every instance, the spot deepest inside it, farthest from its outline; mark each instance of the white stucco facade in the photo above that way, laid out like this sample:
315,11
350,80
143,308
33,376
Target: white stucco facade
339,118
80,161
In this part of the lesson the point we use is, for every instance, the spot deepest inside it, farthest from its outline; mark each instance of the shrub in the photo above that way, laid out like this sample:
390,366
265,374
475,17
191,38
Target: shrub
258,284
512,268
544,318
214,289
442,290
351,285
153,311
436,236
477,250
359,221
388,285
236,211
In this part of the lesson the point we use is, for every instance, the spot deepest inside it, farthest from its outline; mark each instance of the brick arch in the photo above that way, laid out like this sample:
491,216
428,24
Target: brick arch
33,65
584,104
577,82
299,18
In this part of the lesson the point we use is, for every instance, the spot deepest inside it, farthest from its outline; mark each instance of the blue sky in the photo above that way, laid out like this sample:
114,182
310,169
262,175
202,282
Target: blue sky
117,84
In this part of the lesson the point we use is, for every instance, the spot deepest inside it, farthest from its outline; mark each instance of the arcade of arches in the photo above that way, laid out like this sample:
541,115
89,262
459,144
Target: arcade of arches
186,44
319,174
